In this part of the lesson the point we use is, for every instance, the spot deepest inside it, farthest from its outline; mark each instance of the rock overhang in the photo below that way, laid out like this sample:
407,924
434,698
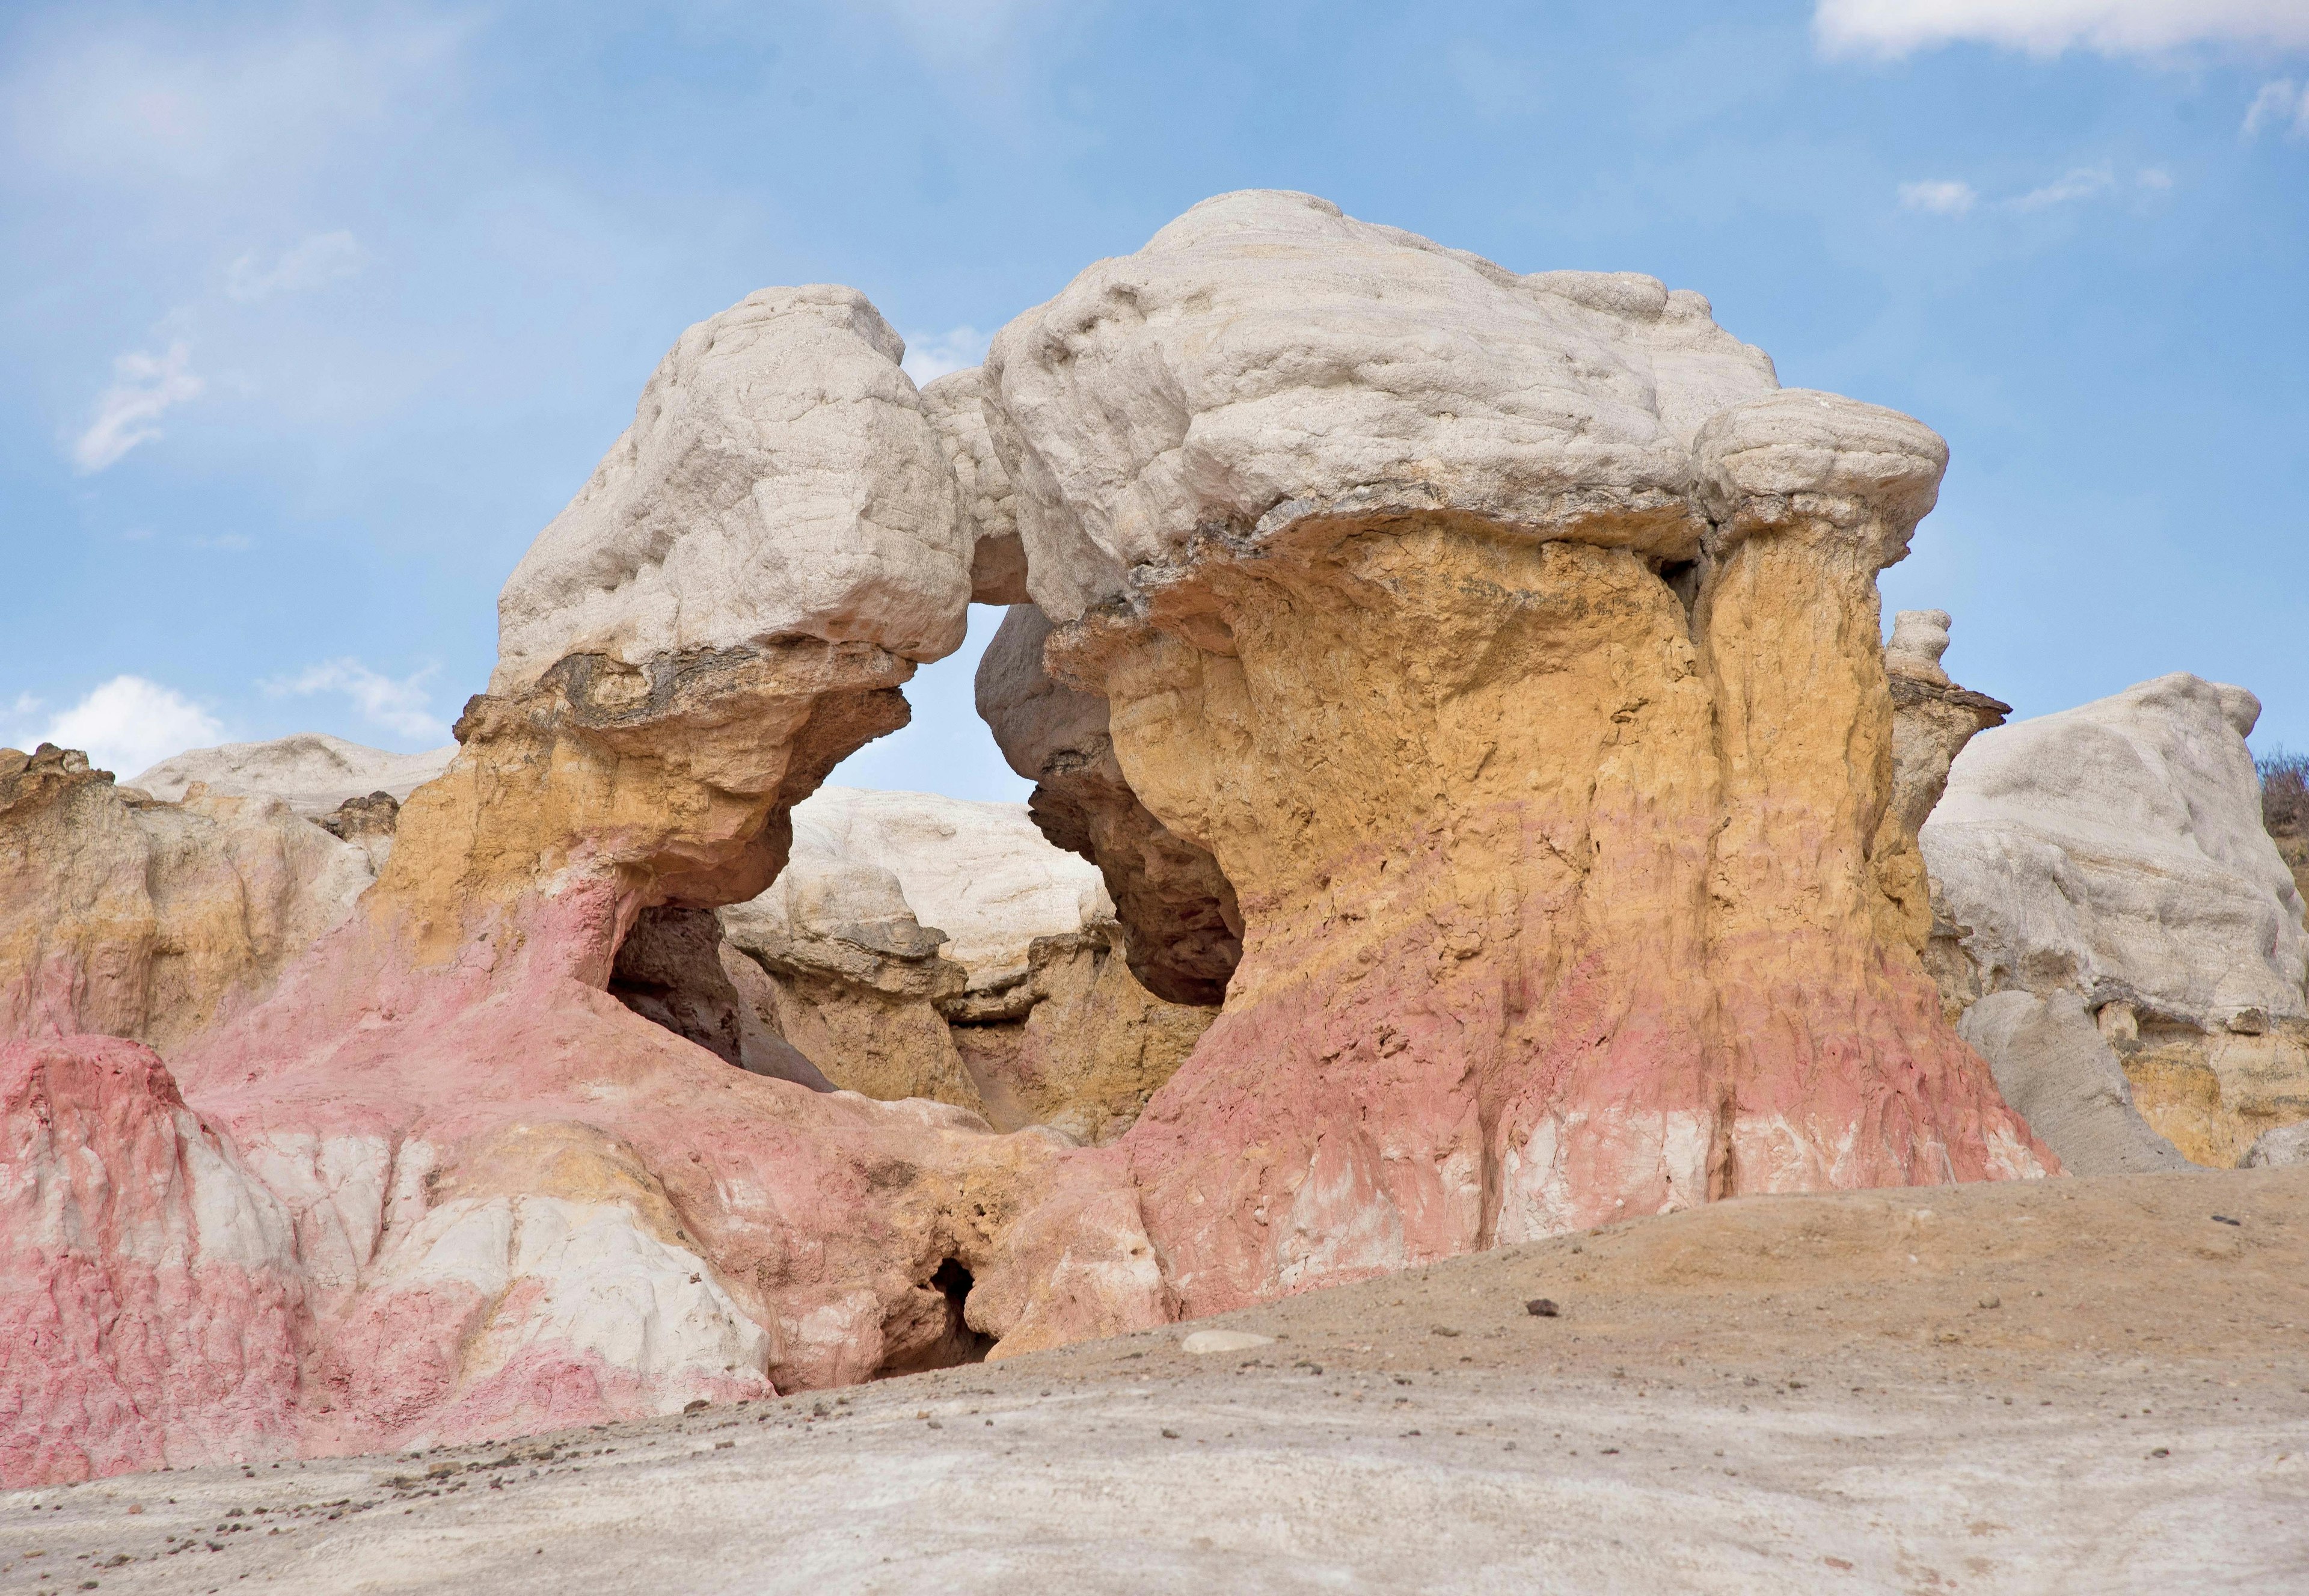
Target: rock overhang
1266,360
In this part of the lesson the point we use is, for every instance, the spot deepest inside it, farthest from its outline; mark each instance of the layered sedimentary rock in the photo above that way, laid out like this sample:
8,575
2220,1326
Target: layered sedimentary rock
2116,851
922,946
1077,1045
515,1202
1512,644
312,772
126,916
150,1297
2054,1068
1477,679
1181,926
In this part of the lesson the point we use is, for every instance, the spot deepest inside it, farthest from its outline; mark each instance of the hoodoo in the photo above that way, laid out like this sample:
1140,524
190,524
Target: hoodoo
1512,646
1469,685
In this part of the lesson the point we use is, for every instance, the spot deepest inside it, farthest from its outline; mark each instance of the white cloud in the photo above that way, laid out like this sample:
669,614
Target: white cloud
1894,28
1951,197
2080,184
144,388
129,723
931,356
2278,104
25,704
234,541
1941,197
400,706
323,258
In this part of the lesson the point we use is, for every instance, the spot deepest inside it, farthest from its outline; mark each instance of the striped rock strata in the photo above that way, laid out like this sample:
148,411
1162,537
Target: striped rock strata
1513,646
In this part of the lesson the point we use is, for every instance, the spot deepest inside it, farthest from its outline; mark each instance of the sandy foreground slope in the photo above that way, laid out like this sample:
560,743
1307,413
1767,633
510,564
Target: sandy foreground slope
2089,1385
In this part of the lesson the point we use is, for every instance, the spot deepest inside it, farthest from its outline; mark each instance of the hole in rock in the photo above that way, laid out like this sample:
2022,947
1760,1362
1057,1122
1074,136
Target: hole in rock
925,1329
673,970
1682,580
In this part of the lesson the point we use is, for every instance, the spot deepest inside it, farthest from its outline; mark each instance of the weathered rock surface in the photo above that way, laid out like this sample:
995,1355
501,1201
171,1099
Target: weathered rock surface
2280,1149
515,1200
1078,1046
124,916
150,1298
997,559
922,946
1932,719
1832,1349
1181,925
1492,663
311,772
982,873
2054,1068
2116,851
1513,646
781,479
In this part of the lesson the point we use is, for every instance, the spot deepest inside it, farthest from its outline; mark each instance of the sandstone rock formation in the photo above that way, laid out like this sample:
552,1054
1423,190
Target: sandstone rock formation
513,1201
1182,928
923,946
2282,1147
1476,679
1512,644
2116,851
997,559
2054,1068
126,916
150,1297
311,772
1932,719
781,479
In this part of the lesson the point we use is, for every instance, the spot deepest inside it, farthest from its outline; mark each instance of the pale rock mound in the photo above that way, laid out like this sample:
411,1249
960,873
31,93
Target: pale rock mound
1265,359
124,916
781,479
2053,1067
311,772
2116,851
980,872
2281,1147
1512,646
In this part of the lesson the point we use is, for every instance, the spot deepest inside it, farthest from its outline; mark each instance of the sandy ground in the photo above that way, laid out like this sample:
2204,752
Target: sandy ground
2074,1385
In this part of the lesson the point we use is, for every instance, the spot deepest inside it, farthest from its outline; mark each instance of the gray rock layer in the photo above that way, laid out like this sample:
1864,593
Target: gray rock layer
2053,1066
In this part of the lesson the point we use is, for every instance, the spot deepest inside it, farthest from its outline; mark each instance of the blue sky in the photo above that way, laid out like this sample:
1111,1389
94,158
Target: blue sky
316,315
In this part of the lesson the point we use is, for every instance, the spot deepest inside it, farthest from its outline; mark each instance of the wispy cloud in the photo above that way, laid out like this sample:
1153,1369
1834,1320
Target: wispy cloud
931,356
1894,28
2084,183
145,387
230,541
323,258
2282,103
1948,196
400,706
1940,197
129,723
